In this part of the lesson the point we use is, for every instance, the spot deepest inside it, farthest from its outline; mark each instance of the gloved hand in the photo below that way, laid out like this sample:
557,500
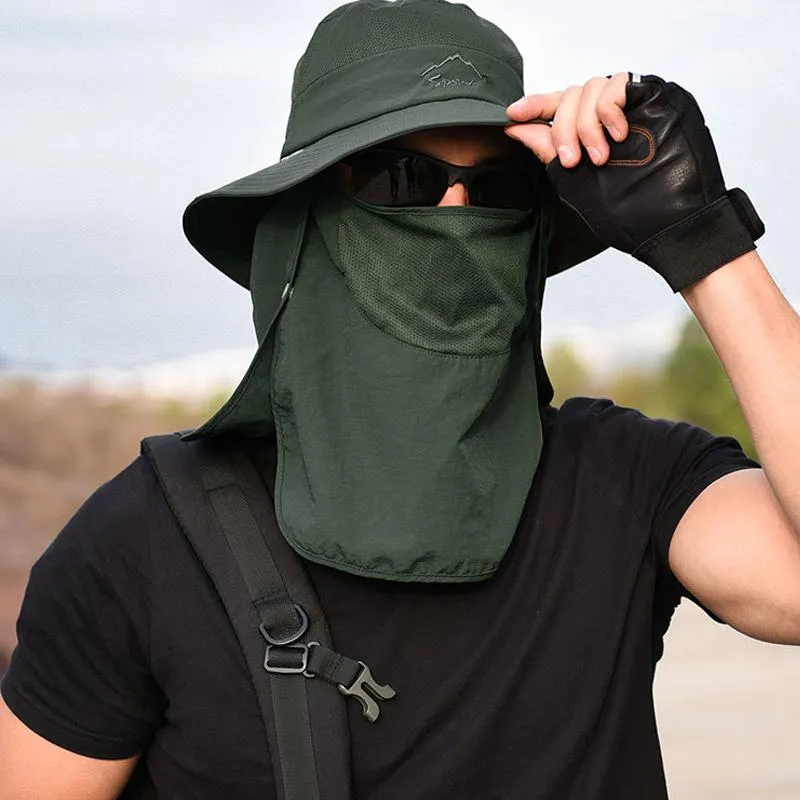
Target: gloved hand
661,196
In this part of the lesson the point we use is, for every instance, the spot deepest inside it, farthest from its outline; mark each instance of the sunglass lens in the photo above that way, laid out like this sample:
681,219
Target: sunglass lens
387,179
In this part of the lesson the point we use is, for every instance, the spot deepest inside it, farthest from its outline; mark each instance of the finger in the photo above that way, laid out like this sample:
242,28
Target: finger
610,107
534,106
588,125
565,133
536,136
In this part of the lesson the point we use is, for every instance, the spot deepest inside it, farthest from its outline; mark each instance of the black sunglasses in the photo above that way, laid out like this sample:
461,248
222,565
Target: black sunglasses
386,176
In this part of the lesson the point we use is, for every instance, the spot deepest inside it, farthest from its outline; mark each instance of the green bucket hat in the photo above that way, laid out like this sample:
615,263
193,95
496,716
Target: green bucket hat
375,70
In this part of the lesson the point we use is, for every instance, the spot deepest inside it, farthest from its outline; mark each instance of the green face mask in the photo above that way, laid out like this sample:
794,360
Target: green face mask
403,390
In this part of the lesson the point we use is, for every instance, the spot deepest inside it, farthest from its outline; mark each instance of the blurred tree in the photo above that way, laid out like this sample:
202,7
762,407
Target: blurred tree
697,390
641,388
569,373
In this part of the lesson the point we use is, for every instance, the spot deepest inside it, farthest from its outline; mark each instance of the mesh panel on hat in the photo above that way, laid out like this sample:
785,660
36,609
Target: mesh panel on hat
369,27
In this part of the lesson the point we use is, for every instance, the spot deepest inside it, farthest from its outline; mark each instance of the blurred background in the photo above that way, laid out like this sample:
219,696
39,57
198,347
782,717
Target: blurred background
113,116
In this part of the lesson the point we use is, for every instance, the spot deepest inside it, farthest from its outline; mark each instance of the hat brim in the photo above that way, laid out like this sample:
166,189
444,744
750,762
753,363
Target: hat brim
221,224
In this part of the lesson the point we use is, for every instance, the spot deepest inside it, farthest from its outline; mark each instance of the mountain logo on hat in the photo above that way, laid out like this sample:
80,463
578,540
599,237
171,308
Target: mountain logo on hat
453,71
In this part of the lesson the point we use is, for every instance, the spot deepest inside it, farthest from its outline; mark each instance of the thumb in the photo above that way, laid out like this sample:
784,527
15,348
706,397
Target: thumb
537,137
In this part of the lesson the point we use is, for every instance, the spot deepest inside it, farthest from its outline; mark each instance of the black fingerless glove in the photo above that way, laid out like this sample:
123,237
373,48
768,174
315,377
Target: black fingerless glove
661,196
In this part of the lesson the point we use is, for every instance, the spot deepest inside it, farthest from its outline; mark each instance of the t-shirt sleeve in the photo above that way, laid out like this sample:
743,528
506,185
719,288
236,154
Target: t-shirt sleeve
80,675
664,467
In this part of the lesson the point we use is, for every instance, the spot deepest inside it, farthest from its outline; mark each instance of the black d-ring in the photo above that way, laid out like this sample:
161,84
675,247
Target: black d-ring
303,617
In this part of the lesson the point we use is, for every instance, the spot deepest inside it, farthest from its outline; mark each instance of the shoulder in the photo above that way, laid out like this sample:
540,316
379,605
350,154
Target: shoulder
596,417
109,534
80,676
601,416
127,495
596,431
618,430
655,463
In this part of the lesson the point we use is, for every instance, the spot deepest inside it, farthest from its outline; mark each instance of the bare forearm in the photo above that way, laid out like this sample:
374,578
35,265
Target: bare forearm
756,334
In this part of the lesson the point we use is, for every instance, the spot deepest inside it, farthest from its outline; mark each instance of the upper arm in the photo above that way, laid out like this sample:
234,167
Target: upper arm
737,553
717,532
33,768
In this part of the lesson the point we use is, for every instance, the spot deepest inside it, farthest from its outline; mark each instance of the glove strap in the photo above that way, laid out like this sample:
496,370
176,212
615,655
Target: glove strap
696,246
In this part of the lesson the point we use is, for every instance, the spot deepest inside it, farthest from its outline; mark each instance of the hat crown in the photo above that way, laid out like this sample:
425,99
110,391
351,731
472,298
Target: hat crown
367,28
375,70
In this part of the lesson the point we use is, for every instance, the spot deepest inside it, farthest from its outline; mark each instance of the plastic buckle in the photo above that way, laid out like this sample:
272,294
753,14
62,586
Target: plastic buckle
365,681
303,617
300,669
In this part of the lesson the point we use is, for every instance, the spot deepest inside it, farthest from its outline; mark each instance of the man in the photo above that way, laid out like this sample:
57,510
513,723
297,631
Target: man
509,567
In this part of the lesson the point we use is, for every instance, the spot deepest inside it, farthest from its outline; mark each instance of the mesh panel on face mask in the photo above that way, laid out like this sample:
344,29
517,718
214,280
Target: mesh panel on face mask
451,282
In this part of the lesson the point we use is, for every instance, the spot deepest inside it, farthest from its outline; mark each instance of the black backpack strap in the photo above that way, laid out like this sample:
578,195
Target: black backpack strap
224,509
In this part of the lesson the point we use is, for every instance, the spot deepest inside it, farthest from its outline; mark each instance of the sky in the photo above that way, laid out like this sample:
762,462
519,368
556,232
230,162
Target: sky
114,115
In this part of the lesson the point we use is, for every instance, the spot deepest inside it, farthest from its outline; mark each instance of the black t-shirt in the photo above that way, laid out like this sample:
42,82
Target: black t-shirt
534,684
